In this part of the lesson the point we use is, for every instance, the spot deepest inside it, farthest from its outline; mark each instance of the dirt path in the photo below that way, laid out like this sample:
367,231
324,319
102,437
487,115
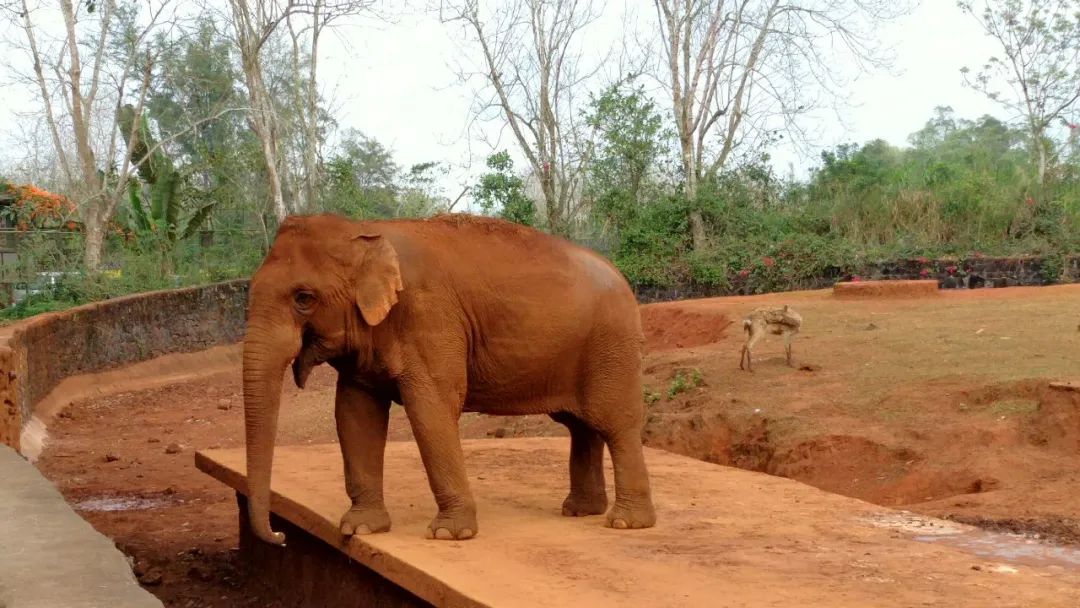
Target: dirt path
939,404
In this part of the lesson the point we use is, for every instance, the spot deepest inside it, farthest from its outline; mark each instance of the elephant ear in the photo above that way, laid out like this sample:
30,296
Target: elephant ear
378,278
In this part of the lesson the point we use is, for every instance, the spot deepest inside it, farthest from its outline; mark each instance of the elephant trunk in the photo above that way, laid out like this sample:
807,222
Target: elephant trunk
268,348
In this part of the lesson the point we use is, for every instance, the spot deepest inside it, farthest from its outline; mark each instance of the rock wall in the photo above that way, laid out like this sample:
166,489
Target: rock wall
951,273
36,354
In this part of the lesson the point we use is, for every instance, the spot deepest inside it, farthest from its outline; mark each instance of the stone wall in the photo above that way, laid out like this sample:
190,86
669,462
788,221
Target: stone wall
951,273
38,353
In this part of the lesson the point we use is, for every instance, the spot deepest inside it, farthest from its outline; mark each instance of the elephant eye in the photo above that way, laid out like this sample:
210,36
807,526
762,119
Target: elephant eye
304,299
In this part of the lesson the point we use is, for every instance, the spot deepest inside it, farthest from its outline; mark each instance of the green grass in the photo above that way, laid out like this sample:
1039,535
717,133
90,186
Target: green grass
1013,407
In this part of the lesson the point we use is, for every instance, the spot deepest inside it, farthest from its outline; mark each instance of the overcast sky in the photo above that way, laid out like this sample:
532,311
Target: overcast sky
395,82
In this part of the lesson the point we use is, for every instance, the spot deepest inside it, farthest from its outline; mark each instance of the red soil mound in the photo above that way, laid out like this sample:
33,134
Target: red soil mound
890,289
669,327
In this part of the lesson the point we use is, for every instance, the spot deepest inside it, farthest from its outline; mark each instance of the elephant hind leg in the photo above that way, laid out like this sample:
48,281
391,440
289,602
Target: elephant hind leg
614,408
633,506
588,495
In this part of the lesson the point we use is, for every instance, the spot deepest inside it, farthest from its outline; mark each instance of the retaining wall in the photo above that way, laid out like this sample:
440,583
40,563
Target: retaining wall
38,353
951,273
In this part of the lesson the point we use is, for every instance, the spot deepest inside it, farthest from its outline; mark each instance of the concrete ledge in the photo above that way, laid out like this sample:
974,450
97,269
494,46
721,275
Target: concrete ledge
39,353
49,556
725,536
886,289
309,572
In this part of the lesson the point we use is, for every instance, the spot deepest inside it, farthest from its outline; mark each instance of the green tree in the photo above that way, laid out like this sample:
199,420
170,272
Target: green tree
361,178
418,192
197,77
625,150
159,193
502,193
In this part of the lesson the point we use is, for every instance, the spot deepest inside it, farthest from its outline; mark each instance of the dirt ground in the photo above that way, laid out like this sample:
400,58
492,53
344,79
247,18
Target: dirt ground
942,405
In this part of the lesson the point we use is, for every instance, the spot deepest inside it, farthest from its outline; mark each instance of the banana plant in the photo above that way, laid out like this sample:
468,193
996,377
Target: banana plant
158,195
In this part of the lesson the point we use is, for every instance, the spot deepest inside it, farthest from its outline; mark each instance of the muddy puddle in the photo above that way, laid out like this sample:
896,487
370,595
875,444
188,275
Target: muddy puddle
1014,549
122,503
1010,548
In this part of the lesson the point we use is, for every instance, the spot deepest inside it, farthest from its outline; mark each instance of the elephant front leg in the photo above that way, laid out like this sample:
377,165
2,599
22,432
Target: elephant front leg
361,425
434,420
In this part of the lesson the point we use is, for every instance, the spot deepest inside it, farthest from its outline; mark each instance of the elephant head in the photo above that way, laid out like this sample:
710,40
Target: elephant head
324,284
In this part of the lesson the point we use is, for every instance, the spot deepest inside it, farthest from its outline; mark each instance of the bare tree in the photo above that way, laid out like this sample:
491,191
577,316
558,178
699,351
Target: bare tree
80,95
531,64
254,23
81,115
1040,68
305,31
734,70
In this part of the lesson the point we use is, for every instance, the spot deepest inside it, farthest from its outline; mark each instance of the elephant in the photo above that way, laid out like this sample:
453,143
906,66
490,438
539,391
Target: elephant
444,315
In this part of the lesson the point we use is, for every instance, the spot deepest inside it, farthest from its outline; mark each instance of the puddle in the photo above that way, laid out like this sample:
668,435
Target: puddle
121,503
1010,548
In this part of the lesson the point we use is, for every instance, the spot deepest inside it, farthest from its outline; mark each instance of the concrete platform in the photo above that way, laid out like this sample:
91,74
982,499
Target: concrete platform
49,556
725,537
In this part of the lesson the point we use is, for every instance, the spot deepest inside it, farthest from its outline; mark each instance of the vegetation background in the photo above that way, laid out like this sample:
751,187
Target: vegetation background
174,137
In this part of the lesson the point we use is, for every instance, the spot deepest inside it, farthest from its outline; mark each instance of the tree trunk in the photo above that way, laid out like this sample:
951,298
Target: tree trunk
94,242
697,230
551,203
311,154
697,222
263,120
91,186
1041,149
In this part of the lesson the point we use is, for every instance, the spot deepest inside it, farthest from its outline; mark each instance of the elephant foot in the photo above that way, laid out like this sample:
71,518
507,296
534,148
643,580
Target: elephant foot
581,505
460,525
365,520
630,516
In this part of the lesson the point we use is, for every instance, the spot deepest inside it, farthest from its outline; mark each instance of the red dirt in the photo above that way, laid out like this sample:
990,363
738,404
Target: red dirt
666,327
940,404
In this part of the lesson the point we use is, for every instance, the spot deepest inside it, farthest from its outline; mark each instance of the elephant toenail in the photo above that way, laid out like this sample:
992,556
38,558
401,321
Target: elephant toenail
346,529
444,534
429,534
362,529
465,533
619,524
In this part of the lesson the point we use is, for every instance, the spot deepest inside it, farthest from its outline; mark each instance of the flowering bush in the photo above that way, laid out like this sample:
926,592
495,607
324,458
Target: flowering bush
32,207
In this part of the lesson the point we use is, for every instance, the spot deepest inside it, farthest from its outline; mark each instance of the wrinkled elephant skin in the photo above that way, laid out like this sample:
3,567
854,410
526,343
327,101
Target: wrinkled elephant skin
445,315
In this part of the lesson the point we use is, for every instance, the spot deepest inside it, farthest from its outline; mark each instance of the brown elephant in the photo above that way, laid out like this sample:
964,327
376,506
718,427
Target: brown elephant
450,314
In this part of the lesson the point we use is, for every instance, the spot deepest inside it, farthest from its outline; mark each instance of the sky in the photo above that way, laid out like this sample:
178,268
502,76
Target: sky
396,81
396,84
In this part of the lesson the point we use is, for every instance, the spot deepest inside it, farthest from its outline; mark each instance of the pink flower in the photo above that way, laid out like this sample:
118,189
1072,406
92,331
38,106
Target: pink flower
950,269
768,261
744,273
1030,202
855,278
925,272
